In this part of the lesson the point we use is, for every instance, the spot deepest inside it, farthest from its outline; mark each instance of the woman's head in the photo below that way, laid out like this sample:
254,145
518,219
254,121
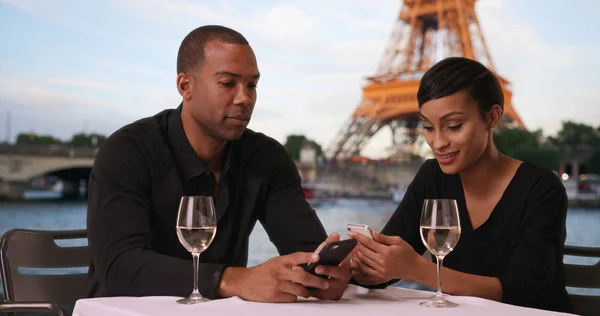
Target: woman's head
461,101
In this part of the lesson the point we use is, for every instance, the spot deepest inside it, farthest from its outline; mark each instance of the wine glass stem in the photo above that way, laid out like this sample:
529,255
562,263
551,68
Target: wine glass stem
196,258
440,260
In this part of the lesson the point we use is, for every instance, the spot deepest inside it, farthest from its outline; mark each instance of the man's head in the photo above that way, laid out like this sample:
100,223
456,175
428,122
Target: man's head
461,101
217,76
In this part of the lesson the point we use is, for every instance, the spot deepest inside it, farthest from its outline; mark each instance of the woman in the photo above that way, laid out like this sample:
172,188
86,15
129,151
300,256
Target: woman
512,213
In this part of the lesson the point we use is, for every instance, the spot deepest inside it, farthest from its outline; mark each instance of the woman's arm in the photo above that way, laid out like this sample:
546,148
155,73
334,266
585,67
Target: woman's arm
390,257
456,282
404,223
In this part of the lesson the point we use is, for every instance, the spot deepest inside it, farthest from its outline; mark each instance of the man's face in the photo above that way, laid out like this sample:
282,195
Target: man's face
223,90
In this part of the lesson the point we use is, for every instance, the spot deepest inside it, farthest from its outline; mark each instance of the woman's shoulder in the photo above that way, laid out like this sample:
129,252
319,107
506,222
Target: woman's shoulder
540,184
538,176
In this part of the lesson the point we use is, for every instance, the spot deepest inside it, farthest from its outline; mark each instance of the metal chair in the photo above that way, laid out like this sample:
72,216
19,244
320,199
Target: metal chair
583,276
21,248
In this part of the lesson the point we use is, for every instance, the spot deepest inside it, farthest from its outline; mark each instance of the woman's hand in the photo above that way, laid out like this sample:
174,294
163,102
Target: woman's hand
362,278
382,259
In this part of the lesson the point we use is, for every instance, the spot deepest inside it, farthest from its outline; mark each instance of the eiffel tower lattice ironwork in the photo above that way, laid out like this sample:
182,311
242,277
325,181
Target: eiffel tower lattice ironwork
425,32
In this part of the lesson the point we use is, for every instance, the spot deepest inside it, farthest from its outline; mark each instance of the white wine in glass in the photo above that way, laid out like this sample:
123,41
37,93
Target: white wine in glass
196,229
440,232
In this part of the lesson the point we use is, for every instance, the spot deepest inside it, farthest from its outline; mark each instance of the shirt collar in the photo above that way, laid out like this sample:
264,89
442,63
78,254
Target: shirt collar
188,162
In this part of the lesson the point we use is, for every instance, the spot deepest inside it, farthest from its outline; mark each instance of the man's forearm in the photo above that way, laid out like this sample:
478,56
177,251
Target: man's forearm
457,283
140,272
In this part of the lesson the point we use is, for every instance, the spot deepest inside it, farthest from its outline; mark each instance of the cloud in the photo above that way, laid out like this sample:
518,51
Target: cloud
132,69
361,14
518,42
361,56
31,6
169,13
319,114
66,96
39,96
312,72
45,112
55,11
549,79
71,85
313,56
37,105
286,25
75,83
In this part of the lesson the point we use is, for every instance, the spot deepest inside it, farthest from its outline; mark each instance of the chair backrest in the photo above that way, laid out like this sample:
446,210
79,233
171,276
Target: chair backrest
583,276
20,248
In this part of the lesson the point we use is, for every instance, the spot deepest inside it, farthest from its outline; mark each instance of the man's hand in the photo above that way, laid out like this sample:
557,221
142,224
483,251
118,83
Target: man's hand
272,281
339,276
382,258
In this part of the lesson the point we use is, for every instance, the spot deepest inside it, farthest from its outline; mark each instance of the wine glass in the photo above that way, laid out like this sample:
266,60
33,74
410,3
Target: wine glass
440,231
196,229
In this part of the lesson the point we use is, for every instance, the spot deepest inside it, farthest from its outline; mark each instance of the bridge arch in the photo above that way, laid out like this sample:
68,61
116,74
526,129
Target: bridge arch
69,181
22,172
21,168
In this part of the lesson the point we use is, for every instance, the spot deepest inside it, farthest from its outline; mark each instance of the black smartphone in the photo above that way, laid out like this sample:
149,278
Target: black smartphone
331,255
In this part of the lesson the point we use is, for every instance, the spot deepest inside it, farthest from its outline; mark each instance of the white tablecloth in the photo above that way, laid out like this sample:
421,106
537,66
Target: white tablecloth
356,301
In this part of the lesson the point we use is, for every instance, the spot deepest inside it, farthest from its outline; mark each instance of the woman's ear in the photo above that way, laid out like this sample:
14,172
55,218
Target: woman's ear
494,116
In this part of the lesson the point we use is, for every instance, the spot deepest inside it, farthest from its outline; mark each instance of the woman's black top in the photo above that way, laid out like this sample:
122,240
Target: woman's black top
521,243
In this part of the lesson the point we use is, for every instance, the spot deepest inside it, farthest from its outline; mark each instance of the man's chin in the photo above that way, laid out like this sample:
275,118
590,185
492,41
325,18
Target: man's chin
236,134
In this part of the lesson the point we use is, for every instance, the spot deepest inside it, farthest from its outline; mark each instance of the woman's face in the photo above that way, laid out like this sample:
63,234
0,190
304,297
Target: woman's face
455,131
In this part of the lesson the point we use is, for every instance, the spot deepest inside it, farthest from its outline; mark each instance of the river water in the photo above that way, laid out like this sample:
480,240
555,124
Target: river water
583,225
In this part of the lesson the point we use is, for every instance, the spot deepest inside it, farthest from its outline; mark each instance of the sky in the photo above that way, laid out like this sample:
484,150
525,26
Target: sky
70,66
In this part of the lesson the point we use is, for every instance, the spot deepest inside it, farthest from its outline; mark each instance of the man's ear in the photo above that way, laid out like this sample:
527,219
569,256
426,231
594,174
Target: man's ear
184,84
494,116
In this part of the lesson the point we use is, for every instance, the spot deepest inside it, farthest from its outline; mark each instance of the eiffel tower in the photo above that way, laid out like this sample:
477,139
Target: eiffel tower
425,32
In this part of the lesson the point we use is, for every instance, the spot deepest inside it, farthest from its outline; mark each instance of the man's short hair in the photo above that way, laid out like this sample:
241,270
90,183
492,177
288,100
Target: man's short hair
191,51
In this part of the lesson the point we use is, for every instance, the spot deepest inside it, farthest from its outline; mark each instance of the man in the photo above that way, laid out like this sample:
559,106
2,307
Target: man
204,148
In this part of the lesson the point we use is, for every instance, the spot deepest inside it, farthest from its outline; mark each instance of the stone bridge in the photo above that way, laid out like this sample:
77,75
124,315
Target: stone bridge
24,167
35,167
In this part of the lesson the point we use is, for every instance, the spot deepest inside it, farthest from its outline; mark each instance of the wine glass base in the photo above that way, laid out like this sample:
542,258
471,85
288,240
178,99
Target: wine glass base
193,299
438,303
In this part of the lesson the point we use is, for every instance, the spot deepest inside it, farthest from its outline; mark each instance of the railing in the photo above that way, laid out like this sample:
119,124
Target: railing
48,150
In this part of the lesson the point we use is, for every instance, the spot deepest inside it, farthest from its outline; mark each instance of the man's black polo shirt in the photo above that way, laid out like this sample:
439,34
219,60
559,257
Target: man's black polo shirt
138,178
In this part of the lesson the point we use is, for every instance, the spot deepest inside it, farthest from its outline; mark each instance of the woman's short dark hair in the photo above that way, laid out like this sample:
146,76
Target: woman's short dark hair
456,74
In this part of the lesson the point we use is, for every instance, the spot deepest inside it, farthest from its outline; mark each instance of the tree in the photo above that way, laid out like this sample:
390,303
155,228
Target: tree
294,143
527,146
594,162
34,139
544,157
573,134
87,140
511,139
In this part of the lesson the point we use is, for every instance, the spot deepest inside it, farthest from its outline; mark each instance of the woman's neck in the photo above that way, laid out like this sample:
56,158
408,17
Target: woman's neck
488,168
